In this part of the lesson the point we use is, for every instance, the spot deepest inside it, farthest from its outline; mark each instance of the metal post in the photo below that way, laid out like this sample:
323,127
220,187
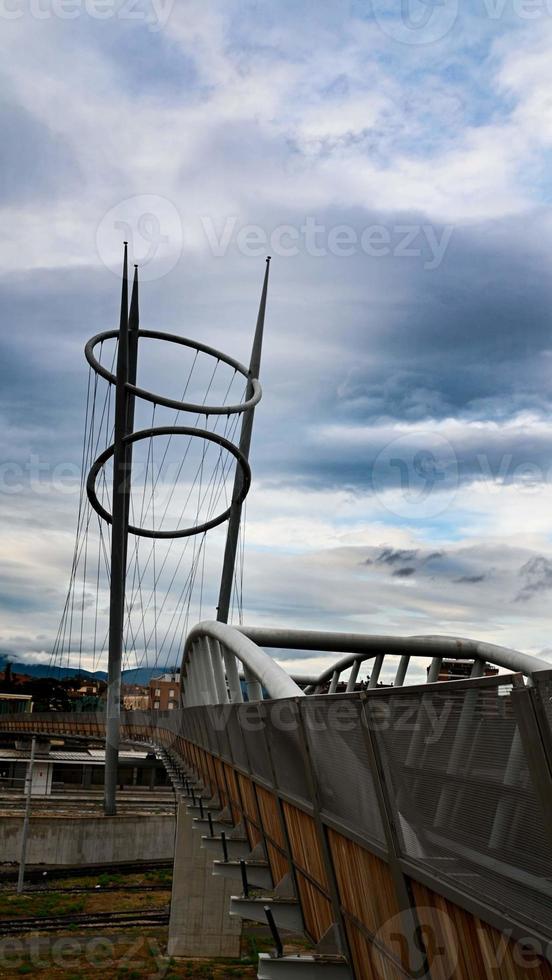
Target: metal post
245,883
274,930
254,688
234,520
119,535
401,670
25,833
218,670
209,670
353,676
376,671
204,691
232,676
434,670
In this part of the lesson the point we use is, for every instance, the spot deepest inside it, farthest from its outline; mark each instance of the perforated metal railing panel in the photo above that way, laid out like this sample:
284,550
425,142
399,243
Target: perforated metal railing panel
337,738
460,787
253,727
287,749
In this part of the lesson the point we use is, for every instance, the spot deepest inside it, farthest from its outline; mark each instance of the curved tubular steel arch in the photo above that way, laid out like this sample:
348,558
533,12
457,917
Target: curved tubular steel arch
178,430
172,402
212,647
360,647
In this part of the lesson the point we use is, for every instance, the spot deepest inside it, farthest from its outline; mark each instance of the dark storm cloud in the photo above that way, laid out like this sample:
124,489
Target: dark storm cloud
537,575
390,556
392,343
405,572
367,342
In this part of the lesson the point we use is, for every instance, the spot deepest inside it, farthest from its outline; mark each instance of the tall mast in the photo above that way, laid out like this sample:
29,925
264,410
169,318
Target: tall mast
232,534
124,411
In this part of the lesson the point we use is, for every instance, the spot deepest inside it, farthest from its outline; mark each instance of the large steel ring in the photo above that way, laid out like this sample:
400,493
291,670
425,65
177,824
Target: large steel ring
172,402
180,430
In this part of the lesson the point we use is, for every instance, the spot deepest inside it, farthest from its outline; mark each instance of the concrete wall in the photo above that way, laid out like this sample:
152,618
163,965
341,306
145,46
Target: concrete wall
200,924
89,840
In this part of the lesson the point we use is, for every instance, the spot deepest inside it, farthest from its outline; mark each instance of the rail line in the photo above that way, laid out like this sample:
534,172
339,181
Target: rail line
39,872
134,917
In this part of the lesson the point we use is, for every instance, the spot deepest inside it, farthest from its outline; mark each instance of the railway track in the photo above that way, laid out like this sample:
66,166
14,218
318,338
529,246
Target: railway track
85,920
37,874
90,890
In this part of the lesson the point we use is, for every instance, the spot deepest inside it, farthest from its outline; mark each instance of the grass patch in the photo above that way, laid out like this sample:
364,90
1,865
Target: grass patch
139,955
41,906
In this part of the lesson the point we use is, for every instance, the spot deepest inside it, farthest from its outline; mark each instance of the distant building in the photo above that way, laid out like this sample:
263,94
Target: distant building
59,770
454,670
14,703
135,697
164,692
90,687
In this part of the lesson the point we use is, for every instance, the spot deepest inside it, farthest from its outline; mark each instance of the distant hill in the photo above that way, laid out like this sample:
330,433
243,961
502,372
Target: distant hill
134,675
45,670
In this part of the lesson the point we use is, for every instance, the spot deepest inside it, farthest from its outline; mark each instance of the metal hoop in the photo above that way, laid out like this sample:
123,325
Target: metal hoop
180,430
172,402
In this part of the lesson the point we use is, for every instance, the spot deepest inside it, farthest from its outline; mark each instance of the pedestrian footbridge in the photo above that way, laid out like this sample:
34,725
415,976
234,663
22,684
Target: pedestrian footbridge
404,830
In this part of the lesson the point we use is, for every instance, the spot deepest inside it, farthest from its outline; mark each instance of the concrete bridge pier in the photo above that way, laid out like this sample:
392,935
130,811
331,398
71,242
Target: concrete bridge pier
199,922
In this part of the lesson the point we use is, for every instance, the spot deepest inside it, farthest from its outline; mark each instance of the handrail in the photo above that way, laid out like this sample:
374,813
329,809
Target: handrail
360,647
209,671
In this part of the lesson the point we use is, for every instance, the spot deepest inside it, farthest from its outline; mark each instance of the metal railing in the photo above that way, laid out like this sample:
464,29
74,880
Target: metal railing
441,780
449,783
210,672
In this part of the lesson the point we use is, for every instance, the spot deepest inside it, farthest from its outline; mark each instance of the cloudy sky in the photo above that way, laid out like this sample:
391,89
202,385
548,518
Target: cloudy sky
396,167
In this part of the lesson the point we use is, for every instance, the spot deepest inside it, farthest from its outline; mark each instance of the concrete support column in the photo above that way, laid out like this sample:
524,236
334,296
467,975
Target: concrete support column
199,924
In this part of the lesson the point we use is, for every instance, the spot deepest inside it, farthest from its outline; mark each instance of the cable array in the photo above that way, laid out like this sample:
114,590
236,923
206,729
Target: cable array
181,479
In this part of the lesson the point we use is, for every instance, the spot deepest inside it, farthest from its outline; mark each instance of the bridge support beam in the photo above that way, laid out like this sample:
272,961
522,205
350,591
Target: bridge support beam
199,923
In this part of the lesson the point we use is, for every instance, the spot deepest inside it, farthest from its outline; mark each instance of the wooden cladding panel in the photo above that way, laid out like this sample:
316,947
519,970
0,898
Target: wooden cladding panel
365,885
279,865
270,816
204,769
305,847
368,962
316,908
232,784
221,783
212,774
253,833
233,793
472,948
248,797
